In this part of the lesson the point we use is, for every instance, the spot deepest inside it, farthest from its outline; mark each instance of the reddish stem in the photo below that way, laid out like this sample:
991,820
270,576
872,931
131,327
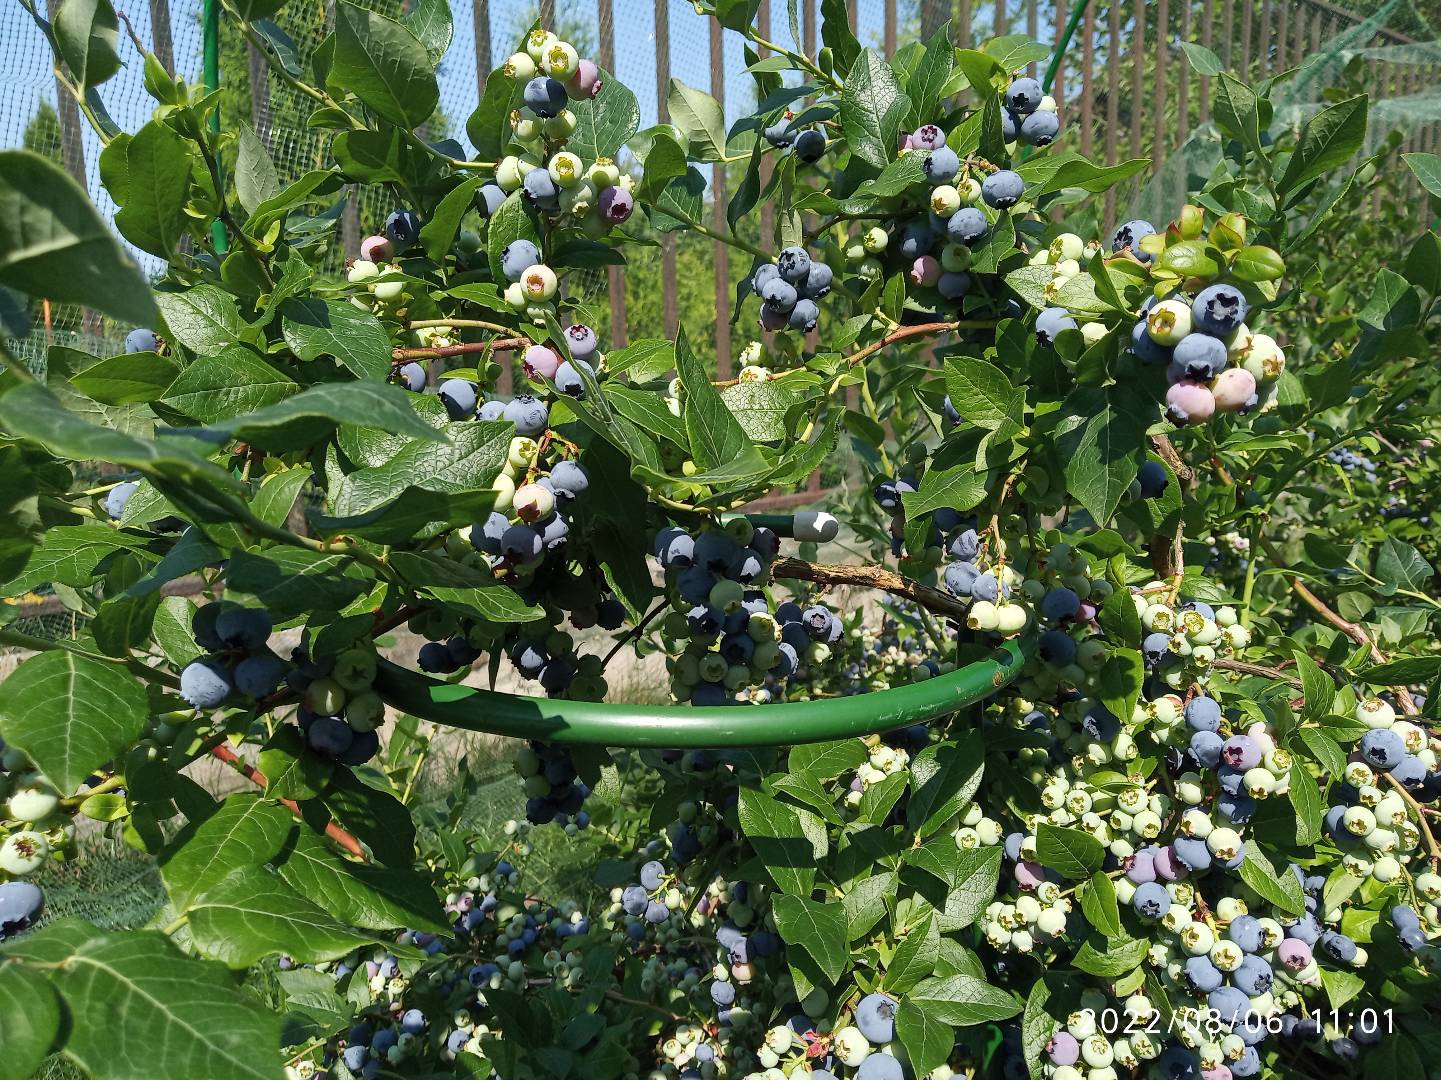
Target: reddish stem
255,776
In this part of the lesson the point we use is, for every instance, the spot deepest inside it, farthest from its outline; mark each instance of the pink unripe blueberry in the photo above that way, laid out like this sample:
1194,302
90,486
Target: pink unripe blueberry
616,204
541,360
1029,874
1190,403
1168,867
376,249
1294,954
533,502
926,270
1220,1072
1063,1048
1234,390
586,81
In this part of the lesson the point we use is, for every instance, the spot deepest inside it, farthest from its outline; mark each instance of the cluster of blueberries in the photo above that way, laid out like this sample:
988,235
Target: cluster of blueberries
34,828
791,289
733,638
807,142
235,637
554,793
1029,115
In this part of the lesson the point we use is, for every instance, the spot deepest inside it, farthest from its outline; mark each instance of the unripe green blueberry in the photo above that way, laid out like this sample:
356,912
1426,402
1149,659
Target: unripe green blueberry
1375,713
875,239
1169,321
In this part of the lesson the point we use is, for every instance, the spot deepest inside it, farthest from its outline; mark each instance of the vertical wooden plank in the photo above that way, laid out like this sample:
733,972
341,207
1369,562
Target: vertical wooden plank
768,214
1316,19
1283,28
1298,48
1138,95
852,13
889,32
484,59
965,24
614,275
1088,89
1002,26
808,26
1263,49
1058,88
1228,28
662,86
1161,137
1183,78
162,42
1206,39
1032,32
718,214
1113,94
1247,13
547,14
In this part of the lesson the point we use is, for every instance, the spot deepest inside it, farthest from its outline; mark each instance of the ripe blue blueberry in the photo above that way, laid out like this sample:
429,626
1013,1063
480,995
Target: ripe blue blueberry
540,189
1253,977
723,992
1050,323
880,1067
1060,603
1146,348
1130,234
1153,478
1002,189
780,135
568,378
1230,1003
20,905
967,225
1338,946
941,166
582,341
794,264
876,1018
961,576
818,281
1245,931
459,398
243,627
985,587
260,675
1200,357
1054,647
328,735
529,414
1024,96
1191,852
402,228
804,316
1202,974
1383,749
779,294
521,544
1205,749
554,531
1156,647
488,199
545,96
917,239
810,146
568,478
412,1022
1011,125
652,874
1219,309
517,257
118,496
953,286
1203,713
435,658
141,340
1040,129
412,377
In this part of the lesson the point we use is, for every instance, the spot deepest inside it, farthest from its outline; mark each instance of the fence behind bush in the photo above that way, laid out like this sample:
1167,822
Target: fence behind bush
1125,86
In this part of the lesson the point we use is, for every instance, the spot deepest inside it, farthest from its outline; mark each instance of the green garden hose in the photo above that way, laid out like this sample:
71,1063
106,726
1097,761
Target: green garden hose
688,727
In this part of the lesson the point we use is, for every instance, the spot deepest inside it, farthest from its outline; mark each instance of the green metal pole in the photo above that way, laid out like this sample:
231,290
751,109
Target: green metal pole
683,727
211,76
1061,46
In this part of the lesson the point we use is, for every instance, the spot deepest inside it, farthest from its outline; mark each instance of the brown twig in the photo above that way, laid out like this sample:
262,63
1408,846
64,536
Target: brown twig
256,777
871,577
463,349
1167,453
1243,668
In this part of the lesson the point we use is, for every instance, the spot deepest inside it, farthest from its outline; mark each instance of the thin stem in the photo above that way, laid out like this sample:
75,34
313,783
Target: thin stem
263,47
871,577
797,58
716,234
471,324
465,348
634,633
256,777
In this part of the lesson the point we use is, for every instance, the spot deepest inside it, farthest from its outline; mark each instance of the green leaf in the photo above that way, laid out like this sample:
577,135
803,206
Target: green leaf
1284,891
1305,797
511,222
1427,169
314,327
962,1000
928,1040
203,318
488,128
1104,450
294,581
30,1014
121,380
716,436
774,831
1341,986
1202,59
1401,566
377,818
54,244
1098,904
931,74
915,956
134,1005
1070,852
277,494
71,714
1190,258
308,417
437,234
826,761
982,393
464,587
1327,140
372,897
431,23
1407,669
1050,173
1324,749
974,873
961,487
604,123
1037,1025
701,121
761,408
383,64
1121,680
87,33
1109,958
873,109
819,930
247,831
1316,685
1395,1057
865,902
1236,111
252,914
230,384
838,35
153,217
945,776
256,180
1258,263
469,459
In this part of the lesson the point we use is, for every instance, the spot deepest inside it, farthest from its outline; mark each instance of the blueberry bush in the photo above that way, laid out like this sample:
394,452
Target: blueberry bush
1119,756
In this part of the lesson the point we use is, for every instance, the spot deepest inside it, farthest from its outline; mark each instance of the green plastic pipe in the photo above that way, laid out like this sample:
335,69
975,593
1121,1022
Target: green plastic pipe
688,727
211,77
